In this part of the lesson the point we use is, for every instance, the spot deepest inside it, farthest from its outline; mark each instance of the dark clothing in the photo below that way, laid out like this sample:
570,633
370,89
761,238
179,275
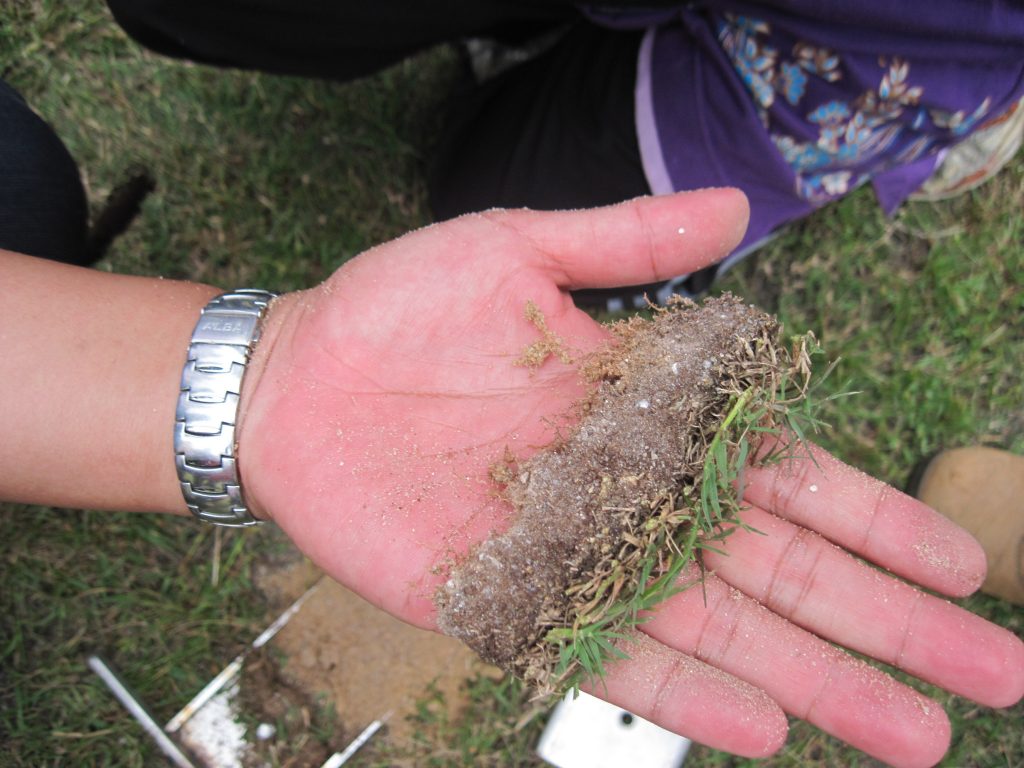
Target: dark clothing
43,209
330,39
555,132
559,111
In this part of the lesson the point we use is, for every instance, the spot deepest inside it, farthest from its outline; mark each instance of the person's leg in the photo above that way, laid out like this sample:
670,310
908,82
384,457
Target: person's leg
555,132
43,208
324,38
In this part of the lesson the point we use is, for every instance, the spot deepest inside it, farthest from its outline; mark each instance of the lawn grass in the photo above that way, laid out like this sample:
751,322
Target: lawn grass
274,182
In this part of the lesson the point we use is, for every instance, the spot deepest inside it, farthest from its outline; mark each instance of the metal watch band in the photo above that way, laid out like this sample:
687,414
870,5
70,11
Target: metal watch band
211,383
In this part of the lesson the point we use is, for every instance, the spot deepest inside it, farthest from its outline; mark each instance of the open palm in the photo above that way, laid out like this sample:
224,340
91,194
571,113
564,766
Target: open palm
379,401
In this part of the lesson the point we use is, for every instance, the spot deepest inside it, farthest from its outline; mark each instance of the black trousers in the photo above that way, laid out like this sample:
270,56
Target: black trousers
555,132
42,203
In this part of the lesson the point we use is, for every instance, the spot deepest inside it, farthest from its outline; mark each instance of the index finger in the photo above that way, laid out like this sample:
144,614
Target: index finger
638,241
868,517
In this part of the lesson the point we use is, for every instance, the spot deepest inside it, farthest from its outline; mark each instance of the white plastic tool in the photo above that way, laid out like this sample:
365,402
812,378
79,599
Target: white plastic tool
586,732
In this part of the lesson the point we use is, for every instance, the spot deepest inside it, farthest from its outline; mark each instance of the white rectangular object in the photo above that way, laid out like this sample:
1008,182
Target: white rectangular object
213,732
587,732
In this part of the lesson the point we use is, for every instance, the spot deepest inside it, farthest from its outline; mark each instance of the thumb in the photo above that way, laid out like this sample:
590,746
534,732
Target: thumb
638,241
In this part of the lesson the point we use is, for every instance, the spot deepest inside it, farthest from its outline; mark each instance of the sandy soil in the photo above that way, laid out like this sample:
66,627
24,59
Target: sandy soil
363,661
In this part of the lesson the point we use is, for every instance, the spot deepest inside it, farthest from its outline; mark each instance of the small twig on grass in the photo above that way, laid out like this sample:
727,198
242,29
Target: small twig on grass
215,565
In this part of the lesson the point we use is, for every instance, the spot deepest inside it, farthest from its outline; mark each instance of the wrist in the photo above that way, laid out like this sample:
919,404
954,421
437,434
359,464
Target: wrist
257,385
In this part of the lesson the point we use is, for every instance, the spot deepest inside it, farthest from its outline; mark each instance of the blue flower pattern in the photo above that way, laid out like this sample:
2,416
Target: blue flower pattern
879,129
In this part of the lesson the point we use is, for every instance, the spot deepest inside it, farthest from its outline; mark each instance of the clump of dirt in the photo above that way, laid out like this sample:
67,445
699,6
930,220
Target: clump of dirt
549,344
584,505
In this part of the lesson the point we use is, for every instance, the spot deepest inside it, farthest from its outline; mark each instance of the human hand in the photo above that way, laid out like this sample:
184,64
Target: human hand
782,603
377,403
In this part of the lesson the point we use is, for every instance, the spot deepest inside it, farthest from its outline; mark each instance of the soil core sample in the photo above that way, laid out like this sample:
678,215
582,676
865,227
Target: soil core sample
600,514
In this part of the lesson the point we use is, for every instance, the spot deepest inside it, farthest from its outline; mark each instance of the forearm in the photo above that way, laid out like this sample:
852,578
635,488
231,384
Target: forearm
90,365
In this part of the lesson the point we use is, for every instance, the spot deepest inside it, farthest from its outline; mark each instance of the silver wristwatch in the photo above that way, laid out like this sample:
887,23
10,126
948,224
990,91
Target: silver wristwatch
211,384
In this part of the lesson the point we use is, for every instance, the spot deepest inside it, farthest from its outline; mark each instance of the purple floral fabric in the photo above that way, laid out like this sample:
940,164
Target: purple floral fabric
799,102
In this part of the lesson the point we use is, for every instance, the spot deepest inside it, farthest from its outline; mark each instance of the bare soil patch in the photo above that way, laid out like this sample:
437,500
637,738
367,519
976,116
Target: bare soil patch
339,664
